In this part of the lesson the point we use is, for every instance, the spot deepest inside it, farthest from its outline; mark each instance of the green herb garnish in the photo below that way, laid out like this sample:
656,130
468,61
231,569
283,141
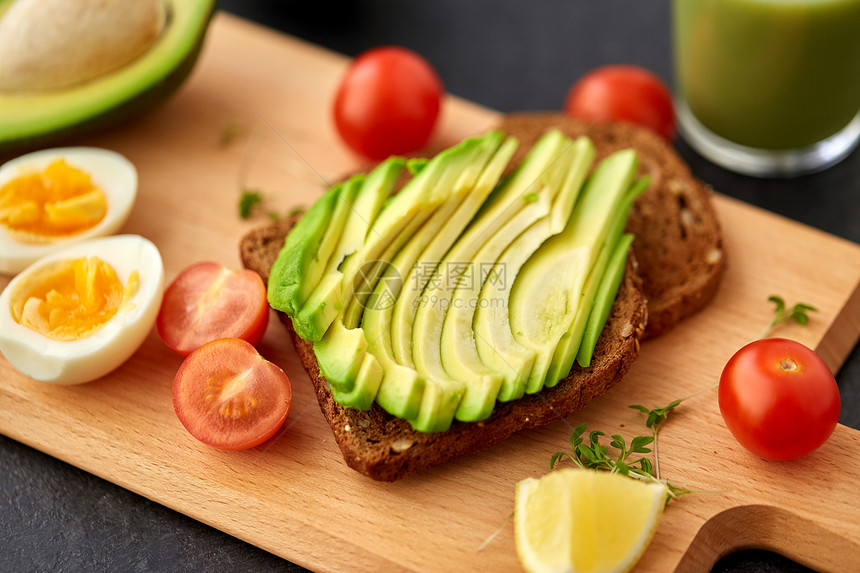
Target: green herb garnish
594,455
656,416
623,459
248,200
782,314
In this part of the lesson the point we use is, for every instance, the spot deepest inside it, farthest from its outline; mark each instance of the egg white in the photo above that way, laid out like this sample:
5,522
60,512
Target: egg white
85,359
109,170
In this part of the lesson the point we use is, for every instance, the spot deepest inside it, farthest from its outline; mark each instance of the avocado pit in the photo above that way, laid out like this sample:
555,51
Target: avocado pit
55,44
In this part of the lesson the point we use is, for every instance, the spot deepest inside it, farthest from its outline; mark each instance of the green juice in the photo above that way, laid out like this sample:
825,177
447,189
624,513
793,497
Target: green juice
769,74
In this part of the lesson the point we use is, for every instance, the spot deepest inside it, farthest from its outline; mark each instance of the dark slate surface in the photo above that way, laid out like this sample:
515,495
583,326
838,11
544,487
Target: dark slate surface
510,56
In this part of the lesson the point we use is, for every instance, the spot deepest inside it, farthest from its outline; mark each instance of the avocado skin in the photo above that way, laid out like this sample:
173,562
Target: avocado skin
299,253
142,103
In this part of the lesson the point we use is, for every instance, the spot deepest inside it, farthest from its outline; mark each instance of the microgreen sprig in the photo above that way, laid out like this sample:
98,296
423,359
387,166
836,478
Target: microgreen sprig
249,200
656,416
783,314
594,455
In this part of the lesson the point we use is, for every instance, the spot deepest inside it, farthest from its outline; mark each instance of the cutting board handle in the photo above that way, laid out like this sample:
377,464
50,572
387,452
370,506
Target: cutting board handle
773,529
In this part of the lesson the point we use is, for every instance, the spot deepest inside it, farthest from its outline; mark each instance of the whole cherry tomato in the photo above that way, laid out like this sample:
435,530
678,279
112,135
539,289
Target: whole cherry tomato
623,93
388,102
779,399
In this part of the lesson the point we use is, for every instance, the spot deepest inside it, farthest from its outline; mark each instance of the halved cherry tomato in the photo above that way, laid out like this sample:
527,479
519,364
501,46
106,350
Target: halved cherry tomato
387,102
623,93
228,396
779,399
207,301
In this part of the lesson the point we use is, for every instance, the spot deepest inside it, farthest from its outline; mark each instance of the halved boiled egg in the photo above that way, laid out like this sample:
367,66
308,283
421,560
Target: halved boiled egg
56,197
78,314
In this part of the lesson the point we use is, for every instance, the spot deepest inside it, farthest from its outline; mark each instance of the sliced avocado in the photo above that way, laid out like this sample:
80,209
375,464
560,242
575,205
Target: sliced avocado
362,393
339,355
404,213
610,282
37,119
496,344
403,390
401,331
428,271
439,403
600,289
607,289
548,291
288,286
323,259
340,351
447,327
460,352
364,199
400,395
502,205
426,248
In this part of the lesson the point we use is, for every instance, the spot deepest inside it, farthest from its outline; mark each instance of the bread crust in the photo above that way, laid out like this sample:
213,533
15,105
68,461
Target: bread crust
679,243
386,448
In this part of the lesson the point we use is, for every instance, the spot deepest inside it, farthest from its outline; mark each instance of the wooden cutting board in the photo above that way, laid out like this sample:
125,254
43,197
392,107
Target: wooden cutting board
295,497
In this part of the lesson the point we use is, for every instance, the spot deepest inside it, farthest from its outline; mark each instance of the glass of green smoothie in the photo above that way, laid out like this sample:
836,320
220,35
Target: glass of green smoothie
768,87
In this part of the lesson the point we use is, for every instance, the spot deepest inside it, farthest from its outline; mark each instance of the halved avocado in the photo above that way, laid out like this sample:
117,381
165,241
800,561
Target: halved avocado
34,119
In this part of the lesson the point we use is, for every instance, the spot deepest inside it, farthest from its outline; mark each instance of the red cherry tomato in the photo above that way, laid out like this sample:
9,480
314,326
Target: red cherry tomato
623,93
228,396
779,399
207,301
387,102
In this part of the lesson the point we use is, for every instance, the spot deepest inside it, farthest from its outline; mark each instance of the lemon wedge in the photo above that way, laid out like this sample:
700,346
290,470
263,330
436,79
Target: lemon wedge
584,521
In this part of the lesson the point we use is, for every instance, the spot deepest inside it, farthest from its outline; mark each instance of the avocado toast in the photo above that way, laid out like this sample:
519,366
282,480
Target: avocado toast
426,432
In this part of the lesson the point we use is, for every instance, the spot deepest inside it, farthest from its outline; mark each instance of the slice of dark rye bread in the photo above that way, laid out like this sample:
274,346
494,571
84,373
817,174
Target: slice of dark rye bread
386,448
679,243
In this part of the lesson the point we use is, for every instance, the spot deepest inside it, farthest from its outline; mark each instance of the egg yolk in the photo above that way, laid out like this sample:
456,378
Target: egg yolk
59,201
73,300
